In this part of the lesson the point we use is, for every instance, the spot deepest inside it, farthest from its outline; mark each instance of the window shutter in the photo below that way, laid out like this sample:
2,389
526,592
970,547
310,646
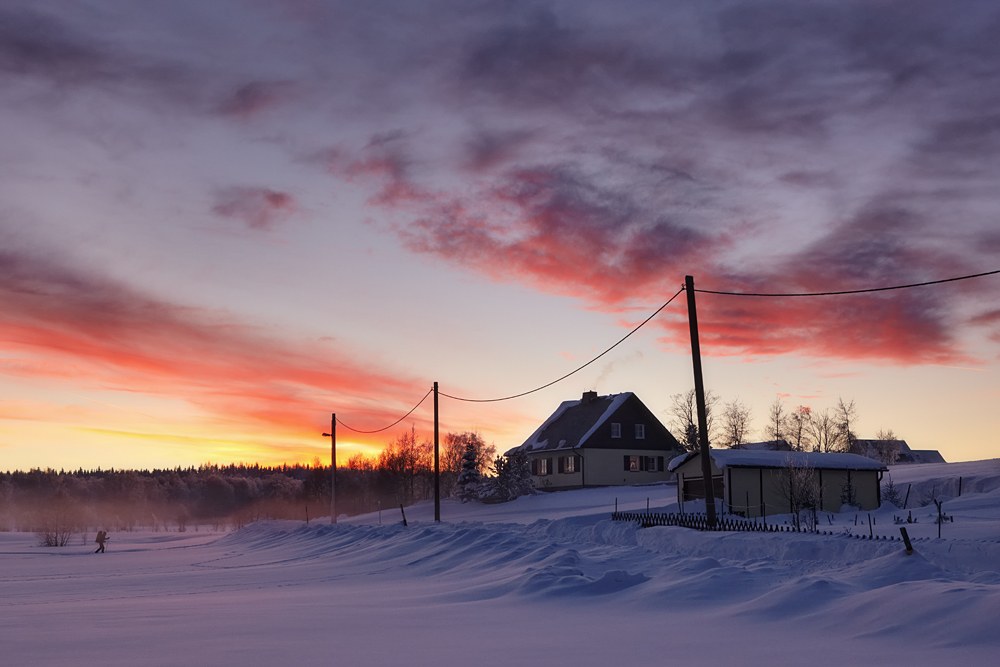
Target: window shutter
578,463
627,467
659,464
549,466
534,466
642,463
562,464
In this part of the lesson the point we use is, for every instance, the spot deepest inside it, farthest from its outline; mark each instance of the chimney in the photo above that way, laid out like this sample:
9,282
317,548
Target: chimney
589,396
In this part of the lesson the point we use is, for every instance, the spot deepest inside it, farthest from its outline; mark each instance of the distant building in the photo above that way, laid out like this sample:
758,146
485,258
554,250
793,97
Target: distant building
906,455
754,483
600,441
766,446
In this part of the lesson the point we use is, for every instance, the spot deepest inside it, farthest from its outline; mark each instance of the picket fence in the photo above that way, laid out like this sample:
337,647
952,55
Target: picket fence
700,522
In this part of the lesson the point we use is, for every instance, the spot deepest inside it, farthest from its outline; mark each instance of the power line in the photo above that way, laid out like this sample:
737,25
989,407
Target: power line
853,291
644,322
525,393
379,430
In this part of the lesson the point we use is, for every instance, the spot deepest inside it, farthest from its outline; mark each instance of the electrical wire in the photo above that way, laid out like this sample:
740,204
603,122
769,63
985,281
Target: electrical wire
645,321
525,393
379,430
853,291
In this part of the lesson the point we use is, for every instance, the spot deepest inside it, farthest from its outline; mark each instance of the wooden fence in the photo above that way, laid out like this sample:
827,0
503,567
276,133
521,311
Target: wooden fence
700,522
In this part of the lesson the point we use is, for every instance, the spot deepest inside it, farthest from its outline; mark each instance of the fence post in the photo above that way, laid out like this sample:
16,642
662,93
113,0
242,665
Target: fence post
906,539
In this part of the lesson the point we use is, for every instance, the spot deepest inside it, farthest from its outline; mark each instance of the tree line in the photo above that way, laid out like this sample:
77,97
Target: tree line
805,430
233,495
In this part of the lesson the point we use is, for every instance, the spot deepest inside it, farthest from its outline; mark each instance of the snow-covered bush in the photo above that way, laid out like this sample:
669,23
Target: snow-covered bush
512,478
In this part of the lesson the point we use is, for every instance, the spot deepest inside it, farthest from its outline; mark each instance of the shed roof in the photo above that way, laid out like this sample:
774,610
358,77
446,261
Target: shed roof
758,459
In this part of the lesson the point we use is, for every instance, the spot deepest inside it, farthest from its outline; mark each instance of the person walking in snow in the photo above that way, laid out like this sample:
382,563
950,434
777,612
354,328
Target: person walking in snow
102,537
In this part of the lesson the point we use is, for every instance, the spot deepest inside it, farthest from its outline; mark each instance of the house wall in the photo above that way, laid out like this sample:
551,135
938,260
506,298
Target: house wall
743,491
630,413
600,467
690,471
743,484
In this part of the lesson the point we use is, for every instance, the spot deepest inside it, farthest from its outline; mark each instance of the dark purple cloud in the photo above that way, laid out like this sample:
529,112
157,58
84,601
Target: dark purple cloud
258,208
251,98
606,151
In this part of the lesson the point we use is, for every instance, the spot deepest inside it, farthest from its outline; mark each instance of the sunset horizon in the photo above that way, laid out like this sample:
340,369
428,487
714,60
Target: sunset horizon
204,252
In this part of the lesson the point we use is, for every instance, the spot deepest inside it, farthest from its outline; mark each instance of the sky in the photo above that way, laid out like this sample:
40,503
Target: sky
222,222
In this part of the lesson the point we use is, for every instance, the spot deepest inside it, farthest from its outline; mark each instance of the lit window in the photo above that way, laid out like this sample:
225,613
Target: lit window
570,465
640,431
616,430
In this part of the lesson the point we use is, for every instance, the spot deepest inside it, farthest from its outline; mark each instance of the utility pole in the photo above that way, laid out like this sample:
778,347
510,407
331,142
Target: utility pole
333,466
699,392
437,461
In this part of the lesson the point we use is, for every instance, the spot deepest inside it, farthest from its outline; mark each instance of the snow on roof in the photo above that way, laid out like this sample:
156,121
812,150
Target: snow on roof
533,442
759,459
536,442
615,404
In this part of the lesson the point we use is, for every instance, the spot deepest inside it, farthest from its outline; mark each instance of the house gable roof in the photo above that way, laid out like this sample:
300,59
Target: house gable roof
573,423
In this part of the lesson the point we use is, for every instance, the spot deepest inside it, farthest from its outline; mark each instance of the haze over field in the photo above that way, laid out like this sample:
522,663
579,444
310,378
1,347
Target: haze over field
220,222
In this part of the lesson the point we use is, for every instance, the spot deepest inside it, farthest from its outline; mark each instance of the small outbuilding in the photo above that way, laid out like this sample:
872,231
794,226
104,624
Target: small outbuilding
760,483
609,440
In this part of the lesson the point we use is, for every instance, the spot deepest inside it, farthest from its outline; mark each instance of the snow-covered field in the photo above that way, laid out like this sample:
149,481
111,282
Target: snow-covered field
542,580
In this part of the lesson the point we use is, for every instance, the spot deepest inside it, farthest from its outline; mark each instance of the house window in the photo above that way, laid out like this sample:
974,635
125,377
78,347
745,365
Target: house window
569,464
640,431
632,463
541,466
616,430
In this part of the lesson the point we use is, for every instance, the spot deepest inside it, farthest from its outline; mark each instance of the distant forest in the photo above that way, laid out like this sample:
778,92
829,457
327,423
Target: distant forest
231,495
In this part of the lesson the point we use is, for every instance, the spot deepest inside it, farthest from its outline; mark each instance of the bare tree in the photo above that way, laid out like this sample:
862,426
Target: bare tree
776,420
887,446
684,417
798,428
823,432
735,430
402,461
846,415
799,485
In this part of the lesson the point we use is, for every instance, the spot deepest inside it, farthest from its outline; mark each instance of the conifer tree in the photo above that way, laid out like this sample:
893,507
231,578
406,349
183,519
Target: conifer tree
469,484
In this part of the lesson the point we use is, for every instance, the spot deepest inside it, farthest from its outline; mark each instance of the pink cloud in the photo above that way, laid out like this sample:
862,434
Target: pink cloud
95,332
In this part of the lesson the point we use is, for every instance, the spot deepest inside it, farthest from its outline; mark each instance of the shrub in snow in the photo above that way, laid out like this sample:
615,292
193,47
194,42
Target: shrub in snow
848,496
891,493
55,525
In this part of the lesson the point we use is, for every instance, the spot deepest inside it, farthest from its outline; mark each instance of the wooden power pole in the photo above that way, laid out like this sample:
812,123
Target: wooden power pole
437,461
333,467
699,392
